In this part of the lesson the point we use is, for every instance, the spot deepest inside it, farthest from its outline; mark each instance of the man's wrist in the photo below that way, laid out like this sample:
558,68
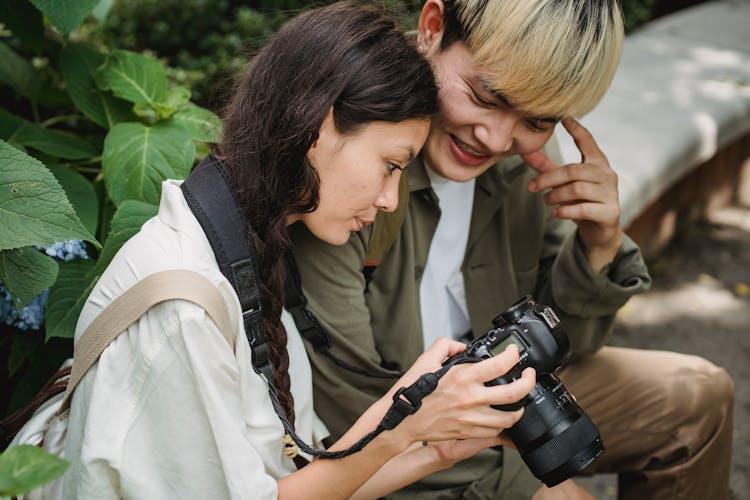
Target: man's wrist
601,258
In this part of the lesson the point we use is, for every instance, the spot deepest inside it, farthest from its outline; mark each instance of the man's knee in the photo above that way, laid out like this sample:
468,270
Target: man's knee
707,405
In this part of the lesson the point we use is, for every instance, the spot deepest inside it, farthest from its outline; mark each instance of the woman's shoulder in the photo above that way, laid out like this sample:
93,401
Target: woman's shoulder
172,239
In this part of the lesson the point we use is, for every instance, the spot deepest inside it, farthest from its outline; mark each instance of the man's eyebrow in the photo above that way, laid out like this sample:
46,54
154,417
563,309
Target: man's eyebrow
507,102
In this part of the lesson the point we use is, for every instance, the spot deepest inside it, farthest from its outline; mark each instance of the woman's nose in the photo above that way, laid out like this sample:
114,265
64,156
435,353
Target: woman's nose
387,201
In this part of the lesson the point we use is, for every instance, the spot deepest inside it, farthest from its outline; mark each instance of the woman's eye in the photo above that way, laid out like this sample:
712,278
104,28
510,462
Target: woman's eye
392,167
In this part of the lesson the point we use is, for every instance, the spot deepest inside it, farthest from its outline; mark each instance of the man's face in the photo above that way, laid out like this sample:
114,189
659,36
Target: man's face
476,126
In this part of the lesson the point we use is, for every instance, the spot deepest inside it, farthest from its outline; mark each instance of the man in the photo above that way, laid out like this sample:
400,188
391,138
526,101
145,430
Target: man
490,217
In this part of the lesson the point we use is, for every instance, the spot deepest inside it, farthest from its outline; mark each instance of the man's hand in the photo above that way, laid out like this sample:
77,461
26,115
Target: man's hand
584,192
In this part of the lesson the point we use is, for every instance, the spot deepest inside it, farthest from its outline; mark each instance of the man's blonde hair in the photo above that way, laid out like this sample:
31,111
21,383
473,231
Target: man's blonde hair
551,58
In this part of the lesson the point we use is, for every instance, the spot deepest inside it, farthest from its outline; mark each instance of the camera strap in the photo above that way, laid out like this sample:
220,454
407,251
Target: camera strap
211,197
311,330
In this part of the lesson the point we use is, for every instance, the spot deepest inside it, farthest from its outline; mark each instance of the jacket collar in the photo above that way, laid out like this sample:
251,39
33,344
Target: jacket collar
494,181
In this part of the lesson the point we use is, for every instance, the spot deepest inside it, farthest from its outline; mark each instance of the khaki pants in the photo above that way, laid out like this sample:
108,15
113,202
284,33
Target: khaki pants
665,420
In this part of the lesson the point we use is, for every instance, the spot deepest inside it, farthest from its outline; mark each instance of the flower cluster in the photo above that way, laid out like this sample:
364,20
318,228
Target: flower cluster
31,316
66,250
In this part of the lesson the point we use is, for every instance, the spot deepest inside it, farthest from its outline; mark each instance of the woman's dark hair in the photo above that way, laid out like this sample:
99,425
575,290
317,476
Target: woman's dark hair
347,56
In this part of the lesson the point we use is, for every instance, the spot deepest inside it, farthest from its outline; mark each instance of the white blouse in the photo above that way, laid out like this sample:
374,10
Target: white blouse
170,411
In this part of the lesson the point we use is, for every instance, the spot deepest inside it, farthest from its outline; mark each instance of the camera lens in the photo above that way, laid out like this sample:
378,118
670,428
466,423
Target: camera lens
554,436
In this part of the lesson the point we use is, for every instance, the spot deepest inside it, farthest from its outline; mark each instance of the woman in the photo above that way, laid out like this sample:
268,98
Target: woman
318,131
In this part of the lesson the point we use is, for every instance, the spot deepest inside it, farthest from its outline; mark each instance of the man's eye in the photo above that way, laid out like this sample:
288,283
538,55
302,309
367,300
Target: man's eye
537,125
483,102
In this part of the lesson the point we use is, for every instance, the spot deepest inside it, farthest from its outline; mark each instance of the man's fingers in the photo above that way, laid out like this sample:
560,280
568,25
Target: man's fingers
583,139
566,174
539,161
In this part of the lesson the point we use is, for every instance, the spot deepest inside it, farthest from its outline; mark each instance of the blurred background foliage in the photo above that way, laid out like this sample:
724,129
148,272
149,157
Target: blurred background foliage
201,45
207,41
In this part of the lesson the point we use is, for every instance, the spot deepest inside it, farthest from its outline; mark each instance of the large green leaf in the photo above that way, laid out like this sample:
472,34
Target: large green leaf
67,297
66,14
80,193
78,277
18,73
202,124
78,64
33,207
133,77
26,467
177,98
138,158
18,131
127,221
25,21
26,272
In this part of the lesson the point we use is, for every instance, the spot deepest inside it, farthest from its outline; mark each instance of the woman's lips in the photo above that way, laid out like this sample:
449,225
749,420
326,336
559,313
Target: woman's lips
466,154
361,223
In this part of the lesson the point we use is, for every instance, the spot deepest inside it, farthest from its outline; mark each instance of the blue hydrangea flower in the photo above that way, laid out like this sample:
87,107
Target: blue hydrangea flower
31,317
66,250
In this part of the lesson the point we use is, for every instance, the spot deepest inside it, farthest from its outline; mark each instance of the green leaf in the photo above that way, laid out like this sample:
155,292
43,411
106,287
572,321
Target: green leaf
26,467
66,14
80,193
22,346
202,124
78,277
78,64
133,77
137,159
102,10
67,297
18,131
33,207
25,21
18,73
177,97
128,220
26,272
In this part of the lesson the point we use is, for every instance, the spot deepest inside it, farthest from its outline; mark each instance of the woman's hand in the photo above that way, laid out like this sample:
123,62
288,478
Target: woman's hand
584,192
460,406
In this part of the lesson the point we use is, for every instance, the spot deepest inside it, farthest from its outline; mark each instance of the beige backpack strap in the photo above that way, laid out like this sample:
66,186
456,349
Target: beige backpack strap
177,284
388,225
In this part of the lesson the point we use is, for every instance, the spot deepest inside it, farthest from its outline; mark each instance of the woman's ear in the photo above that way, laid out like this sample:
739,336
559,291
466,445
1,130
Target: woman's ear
431,27
325,134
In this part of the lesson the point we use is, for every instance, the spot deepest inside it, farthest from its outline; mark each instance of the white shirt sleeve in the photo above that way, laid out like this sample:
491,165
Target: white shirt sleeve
169,422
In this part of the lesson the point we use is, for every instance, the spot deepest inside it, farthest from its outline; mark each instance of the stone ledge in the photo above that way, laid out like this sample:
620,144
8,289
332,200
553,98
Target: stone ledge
680,96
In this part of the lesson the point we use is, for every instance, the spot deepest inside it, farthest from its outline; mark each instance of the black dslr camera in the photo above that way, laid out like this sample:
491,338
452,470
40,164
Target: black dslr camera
554,436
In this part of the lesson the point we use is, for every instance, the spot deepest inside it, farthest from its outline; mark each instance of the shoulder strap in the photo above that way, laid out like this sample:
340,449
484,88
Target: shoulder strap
159,287
210,196
388,225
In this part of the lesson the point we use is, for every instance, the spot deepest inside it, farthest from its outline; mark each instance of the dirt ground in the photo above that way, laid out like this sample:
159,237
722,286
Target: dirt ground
700,304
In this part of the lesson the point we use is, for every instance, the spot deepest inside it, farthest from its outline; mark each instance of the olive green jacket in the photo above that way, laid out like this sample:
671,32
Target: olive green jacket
514,248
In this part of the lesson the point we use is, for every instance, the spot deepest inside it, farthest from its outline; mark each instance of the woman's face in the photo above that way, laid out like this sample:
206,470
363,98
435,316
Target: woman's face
359,174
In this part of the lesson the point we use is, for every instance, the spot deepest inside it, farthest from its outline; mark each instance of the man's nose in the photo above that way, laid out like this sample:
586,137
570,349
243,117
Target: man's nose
497,131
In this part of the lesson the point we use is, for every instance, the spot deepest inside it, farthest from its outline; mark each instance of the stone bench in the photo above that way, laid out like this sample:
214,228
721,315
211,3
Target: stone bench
675,123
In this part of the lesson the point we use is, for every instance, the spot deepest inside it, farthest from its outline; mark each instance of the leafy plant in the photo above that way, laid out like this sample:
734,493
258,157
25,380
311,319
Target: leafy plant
87,135
25,467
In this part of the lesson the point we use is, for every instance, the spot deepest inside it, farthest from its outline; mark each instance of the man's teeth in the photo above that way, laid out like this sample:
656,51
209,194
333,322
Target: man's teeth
469,150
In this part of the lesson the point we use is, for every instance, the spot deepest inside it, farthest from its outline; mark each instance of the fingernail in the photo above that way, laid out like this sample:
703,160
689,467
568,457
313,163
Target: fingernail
532,186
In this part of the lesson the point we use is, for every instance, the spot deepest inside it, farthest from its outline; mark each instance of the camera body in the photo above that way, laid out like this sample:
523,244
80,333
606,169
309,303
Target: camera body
554,436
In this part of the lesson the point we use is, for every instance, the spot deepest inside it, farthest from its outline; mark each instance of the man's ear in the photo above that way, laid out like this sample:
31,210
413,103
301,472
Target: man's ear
431,27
